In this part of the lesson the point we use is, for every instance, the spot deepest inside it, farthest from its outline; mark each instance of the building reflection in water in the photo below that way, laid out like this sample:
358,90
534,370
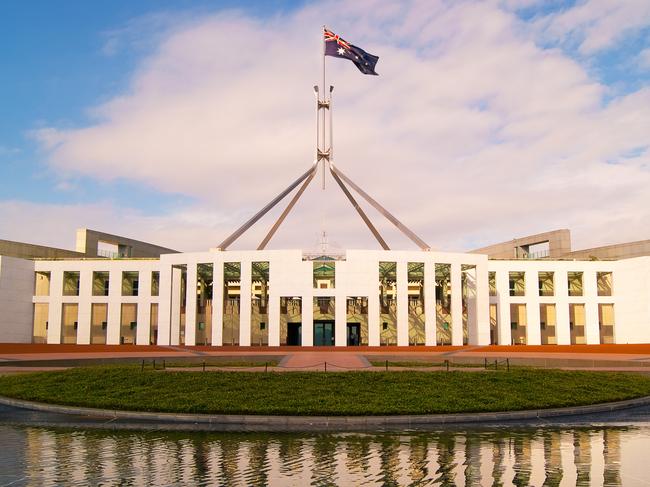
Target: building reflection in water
553,457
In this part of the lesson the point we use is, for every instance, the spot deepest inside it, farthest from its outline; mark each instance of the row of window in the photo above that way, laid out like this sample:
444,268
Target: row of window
546,283
100,283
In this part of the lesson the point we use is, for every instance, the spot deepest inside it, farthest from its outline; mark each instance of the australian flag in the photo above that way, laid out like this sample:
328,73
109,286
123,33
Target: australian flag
337,47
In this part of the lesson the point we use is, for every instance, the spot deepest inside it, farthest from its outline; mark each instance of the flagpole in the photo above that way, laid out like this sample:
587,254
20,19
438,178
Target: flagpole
323,99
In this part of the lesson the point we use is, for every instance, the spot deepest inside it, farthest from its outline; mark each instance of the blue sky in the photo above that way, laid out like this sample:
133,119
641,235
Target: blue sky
56,66
81,79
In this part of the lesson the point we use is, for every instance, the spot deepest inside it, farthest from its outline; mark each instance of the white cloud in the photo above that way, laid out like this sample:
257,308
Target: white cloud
594,25
471,134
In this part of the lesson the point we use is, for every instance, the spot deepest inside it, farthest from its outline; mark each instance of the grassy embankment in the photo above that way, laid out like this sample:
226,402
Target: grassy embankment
318,393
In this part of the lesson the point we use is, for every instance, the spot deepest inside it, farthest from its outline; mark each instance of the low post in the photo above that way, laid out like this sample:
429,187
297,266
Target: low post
508,364
485,364
142,368
496,365
204,366
447,364
386,365
164,364
325,366
266,366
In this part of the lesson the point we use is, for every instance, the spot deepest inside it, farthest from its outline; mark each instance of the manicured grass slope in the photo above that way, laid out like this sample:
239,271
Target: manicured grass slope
317,393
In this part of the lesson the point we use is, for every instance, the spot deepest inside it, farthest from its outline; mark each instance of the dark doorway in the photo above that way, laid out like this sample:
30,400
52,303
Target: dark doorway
323,333
354,334
294,334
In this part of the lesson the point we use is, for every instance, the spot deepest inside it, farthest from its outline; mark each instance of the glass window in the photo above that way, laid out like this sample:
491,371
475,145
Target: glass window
155,283
100,283
545,283
388,302
604,282
324,274
42,284
517,283
492,281
575,283
130,283
71,283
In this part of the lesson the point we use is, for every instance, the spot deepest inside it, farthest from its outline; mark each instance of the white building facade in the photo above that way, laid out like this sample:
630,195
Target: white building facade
364,297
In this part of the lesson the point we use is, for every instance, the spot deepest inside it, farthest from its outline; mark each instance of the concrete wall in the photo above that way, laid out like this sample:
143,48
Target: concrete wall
16,308
88,241
114,300
632,308
28,251
626,250
356,276
559,245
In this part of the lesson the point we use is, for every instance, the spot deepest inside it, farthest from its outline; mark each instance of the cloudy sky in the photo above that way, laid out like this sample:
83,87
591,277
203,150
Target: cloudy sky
173,122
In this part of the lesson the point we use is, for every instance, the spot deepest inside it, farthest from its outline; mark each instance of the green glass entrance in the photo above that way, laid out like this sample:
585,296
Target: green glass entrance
323,333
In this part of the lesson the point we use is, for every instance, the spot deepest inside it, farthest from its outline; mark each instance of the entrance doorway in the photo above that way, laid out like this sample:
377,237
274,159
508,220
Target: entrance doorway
294,334
323,333
354,334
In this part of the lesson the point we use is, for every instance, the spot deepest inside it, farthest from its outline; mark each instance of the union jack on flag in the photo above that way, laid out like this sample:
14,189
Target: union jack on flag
335,46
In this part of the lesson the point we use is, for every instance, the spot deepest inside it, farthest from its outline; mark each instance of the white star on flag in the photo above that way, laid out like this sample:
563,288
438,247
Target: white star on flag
341,51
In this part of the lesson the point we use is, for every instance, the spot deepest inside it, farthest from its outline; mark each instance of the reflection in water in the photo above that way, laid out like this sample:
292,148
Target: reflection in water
550,457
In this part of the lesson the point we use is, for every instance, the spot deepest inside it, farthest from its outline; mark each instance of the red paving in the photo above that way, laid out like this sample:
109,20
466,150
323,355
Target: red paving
318,361
339,358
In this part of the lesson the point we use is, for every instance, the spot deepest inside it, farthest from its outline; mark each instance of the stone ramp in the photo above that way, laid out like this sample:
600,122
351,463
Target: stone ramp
340,361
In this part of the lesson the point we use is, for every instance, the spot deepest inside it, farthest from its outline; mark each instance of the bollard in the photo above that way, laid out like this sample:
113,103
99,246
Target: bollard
204,366
496,365
508,364
142,368
154,365
386,365
485,365
266,366
325,366
163,364
447,364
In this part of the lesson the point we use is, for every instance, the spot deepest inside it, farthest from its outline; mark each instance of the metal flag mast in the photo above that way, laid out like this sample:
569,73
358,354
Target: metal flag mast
324,156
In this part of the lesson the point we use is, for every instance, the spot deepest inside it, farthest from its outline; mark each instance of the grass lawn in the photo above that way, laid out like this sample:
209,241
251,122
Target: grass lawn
319,393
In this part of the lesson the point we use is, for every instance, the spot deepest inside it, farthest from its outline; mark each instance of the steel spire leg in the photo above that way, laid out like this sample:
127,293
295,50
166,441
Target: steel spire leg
363,216
403,228
238,233
287,210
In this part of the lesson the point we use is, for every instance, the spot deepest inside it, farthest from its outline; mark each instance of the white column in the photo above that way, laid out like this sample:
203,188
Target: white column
190,304
55,307
85,300
472,324
482,304
340,321
373,317
175,320
402,305
245,303
456,306
590,293
429,303
307,320
533,327
164,304
114,309
274,318
561,292
503,308
217,305
143,330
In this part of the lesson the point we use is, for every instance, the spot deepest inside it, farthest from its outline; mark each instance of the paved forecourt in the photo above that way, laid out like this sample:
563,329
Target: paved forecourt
598,357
